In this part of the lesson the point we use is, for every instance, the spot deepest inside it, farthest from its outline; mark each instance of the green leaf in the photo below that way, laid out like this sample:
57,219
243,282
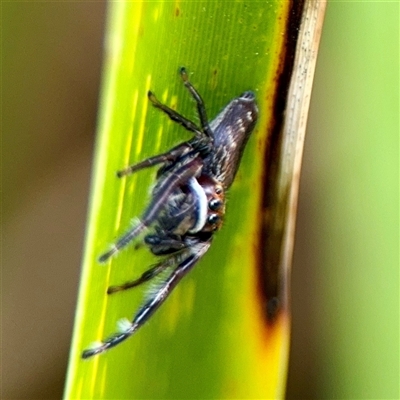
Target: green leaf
213,338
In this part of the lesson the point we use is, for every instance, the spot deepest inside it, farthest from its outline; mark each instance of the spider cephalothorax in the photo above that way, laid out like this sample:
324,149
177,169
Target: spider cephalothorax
188,200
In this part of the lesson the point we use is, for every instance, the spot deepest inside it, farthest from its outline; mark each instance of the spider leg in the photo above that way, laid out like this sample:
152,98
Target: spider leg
160,246
146,276
161,194
145,312
176,117
171,155
199,101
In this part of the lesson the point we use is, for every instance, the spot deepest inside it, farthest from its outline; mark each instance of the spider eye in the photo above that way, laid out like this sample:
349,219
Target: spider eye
213,219
215,204
218,190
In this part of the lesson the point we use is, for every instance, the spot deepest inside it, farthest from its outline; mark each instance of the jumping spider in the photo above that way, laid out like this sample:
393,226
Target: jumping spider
188,200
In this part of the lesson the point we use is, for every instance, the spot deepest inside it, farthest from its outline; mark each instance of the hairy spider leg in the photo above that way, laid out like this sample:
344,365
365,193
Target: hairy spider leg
201,109
174,116
166,246
169,184
146,276
170,155
148,309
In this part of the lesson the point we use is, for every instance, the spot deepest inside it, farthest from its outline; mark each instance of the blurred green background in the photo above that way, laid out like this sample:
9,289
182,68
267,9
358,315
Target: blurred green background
345,287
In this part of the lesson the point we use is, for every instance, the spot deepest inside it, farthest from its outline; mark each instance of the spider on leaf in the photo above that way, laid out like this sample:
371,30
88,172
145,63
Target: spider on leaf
187,203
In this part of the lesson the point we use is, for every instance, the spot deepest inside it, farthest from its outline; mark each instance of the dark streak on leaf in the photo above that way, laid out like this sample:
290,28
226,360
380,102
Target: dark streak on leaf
272,285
